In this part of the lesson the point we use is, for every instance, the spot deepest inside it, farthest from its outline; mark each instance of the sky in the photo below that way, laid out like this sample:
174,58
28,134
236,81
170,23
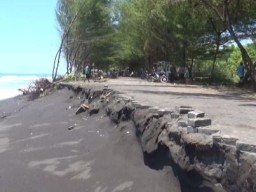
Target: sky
29,38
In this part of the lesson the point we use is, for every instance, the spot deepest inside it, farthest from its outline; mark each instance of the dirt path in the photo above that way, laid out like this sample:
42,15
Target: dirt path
232,111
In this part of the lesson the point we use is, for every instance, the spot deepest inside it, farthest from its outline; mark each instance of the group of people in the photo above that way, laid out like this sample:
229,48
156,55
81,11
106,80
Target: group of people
180,75
173,72
183,73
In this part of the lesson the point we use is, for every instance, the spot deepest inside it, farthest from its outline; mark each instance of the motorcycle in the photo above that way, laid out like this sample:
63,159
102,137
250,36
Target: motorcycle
157,77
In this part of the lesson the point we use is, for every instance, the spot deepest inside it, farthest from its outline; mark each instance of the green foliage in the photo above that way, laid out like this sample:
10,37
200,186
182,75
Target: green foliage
235,59
90,38
137,33
74,77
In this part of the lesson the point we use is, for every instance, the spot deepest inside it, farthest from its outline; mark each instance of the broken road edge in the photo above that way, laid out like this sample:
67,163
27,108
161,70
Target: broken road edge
183,139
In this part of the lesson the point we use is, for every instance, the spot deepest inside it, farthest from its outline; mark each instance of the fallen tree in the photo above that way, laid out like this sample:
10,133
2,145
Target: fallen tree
37,88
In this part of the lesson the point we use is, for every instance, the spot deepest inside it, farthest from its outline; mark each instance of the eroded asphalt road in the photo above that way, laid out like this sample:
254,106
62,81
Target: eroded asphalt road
39,153
232,111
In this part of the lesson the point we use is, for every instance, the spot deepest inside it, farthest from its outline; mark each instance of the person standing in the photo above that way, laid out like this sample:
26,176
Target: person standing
182,73
172,74
88,72
240,71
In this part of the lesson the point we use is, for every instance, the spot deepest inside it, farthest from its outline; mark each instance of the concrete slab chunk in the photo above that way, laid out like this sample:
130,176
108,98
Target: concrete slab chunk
184,110
182,123
198,140
136,104
228,140
161,111
191,129
153,109
199,122
195,114
175,115
241,146
207,131
185,106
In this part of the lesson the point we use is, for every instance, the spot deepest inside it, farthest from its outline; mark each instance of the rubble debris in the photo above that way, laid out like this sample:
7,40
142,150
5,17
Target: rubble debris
191,129
242,146
37,88
199,122
71,127
183,109
195,114
94,109
82,108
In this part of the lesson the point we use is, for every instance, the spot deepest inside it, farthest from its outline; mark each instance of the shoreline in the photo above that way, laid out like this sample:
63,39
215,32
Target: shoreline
11,83
14,93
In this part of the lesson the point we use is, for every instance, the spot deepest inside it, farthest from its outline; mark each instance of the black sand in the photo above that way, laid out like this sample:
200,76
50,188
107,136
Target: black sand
44,147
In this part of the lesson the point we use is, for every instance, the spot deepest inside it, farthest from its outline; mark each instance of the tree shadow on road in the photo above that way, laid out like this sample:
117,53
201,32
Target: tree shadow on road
240,97
248,105
160,85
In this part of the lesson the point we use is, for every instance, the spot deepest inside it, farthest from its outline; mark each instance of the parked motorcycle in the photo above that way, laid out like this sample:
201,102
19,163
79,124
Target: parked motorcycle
157,77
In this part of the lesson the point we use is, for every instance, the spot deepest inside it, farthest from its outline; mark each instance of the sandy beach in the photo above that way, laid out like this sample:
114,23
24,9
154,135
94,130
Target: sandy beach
44,146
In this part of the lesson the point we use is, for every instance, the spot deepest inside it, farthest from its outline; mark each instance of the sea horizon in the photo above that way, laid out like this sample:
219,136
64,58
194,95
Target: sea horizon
25,74
11,82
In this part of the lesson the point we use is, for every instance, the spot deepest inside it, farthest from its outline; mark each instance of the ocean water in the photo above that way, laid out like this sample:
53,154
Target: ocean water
10,83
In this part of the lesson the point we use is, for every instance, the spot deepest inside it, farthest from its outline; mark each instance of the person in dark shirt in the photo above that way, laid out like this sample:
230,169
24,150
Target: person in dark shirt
240,71
182,73
88,72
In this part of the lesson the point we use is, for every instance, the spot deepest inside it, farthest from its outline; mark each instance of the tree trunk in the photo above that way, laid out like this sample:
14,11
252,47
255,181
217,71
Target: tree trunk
67,57
190,68
215,57
246,58
184,53
57,56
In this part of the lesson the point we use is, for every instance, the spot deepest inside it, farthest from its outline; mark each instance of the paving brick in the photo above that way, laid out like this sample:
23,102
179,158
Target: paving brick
199,122
195,114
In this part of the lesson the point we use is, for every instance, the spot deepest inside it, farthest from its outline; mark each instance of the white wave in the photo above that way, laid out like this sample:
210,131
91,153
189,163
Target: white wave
8,93
9,84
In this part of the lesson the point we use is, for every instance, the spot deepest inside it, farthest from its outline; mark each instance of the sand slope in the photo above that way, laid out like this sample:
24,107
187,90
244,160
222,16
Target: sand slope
39,153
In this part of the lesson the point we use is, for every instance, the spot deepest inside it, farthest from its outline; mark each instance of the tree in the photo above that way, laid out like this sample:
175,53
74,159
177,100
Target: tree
137,33
86,32
232,14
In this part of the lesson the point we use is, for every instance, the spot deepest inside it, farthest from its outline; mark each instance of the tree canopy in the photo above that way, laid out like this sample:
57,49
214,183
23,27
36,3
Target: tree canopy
137,33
